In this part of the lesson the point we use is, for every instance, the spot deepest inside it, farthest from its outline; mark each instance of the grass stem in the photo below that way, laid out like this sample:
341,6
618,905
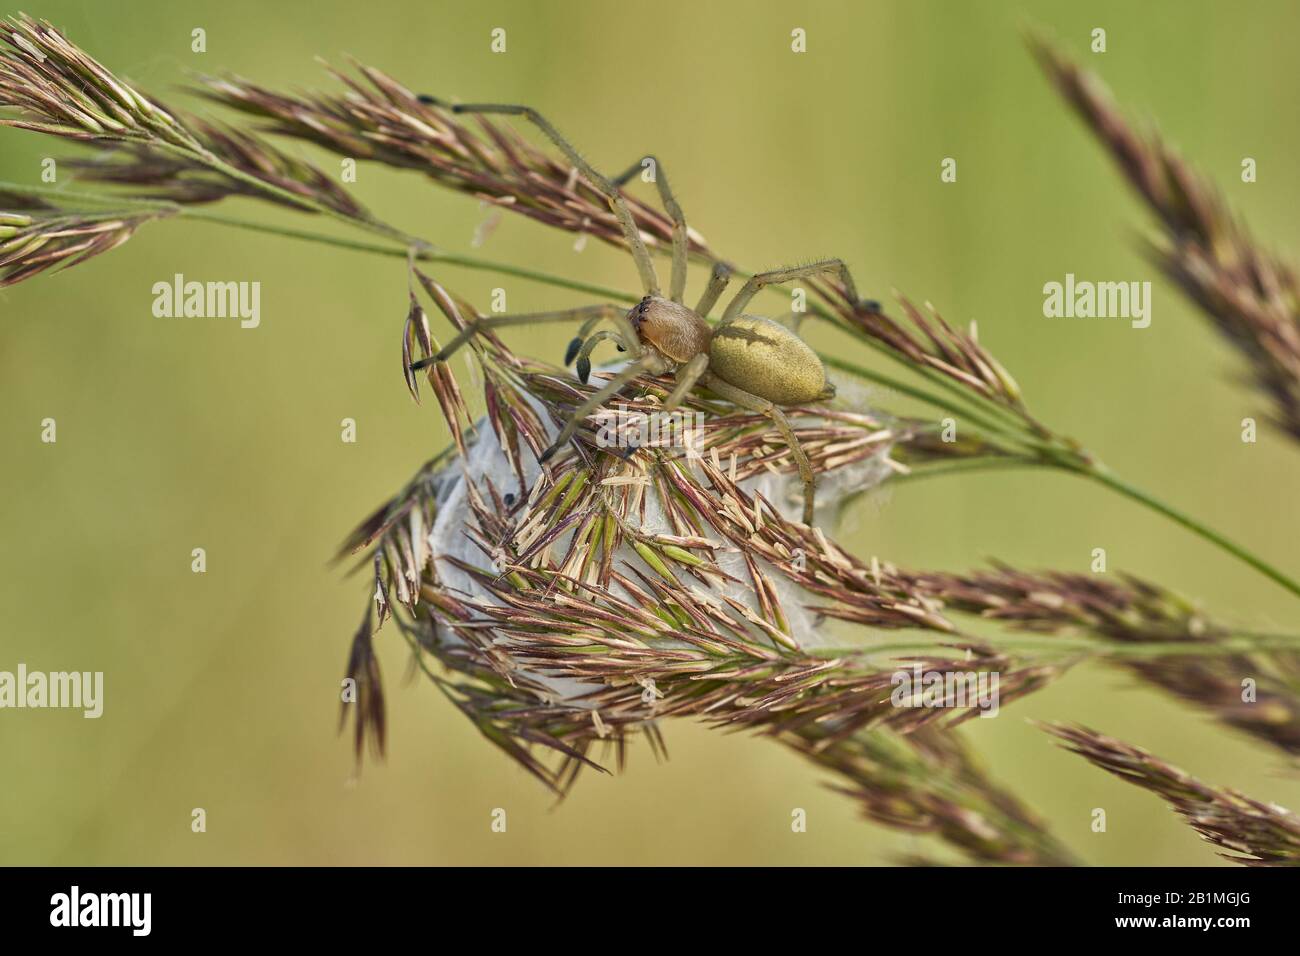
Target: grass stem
1109,479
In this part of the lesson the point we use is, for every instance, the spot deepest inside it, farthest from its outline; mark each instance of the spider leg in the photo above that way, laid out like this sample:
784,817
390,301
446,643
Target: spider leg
681,242
757,282
644,264
685,380
752,402
718,279
648,362
593,313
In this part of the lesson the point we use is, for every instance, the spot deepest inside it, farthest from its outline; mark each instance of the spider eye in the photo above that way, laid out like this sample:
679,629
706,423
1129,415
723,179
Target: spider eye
637,315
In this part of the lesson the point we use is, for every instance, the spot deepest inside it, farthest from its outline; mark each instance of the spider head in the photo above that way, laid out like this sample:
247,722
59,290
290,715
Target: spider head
670,327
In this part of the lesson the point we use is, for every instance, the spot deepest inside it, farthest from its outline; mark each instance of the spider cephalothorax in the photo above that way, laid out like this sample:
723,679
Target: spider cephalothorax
755,363
670,327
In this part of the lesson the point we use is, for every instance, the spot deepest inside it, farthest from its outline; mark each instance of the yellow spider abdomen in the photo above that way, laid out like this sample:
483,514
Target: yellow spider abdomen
768,360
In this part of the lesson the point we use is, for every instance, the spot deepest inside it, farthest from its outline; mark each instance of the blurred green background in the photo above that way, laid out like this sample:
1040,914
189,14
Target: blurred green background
221,688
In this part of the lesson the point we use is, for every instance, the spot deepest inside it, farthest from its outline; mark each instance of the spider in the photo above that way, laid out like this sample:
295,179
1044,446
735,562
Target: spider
752,362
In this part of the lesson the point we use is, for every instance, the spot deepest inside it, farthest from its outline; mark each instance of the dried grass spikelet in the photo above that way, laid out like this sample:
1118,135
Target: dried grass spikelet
1193,663
49,85
928,341
1252,832
1251,296
36,237
181,179
62,90
929,781
376,118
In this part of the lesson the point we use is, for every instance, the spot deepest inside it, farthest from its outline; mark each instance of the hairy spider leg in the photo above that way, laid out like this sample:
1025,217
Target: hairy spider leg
681,243
650,362
593,313
744,399
644,264
775,276
718,280
685,378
